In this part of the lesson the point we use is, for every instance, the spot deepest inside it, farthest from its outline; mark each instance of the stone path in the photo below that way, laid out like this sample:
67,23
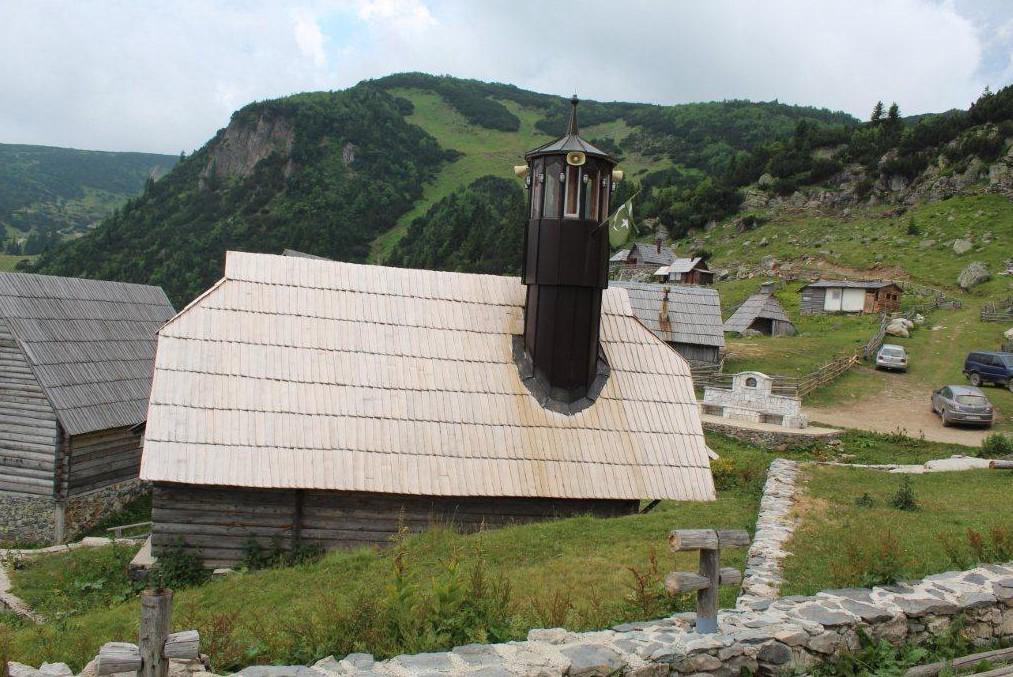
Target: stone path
952,464
774,527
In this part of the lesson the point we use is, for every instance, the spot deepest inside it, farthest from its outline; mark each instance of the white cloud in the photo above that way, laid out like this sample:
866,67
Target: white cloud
164,76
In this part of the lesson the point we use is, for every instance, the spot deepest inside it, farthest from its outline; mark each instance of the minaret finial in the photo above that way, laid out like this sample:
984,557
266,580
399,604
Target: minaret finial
572,128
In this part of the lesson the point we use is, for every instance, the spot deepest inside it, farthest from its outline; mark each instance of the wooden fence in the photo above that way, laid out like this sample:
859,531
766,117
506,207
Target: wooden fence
998,311
790,386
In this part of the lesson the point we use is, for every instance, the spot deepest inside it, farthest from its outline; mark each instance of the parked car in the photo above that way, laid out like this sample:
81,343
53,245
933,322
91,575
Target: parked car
962,404
997,368
891,356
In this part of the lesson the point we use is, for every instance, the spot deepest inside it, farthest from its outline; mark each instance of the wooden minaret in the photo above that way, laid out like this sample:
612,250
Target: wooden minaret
565,264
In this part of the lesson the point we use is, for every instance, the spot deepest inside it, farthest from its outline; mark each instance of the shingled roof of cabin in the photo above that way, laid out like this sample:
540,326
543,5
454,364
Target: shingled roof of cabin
90,344
694,313
761,305
299,373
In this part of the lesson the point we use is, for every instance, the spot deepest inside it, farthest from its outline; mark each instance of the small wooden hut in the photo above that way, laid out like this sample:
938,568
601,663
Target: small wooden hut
685,271
850,296
75,371
762,313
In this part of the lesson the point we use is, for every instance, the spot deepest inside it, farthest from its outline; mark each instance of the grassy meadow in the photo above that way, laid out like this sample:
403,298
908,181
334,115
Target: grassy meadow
851,535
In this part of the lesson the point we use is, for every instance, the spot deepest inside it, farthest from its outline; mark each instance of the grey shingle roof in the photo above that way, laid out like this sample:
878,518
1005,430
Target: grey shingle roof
647,254
90,343
758,305
694,313
850,284
683,265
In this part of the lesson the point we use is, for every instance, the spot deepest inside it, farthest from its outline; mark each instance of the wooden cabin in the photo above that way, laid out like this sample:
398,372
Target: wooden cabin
850,296
686,318
762,313
76,359
685,271
643,256
322,402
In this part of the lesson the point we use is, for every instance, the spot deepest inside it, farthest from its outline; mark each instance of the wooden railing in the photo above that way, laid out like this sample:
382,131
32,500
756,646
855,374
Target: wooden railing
789,386
138,529
873,345
998,312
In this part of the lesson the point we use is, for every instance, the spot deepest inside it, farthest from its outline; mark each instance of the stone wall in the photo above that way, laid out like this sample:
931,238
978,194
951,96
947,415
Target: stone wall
84,511
771,439
790,634
27,519
751,398
40,520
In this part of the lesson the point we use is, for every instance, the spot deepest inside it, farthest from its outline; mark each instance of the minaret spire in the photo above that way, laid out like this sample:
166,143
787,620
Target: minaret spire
572,127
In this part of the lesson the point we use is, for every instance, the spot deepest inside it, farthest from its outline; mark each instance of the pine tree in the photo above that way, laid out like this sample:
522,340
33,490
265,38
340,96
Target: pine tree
877,113
893,115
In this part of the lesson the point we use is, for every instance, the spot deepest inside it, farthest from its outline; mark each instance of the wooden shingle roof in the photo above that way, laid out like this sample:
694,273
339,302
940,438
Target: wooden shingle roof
91,344
694,313
300,373
761,305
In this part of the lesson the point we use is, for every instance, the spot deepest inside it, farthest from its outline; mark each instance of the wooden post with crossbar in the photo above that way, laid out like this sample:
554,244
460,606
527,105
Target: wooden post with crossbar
711,575
156,646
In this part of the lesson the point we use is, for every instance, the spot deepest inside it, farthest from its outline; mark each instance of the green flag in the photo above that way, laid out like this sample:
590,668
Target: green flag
621,224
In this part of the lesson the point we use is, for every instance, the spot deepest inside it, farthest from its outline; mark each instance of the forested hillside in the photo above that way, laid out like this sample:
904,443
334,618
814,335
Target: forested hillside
391,170
48,194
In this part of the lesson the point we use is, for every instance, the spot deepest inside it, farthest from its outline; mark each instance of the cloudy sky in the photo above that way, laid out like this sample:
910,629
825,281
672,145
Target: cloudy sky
163,76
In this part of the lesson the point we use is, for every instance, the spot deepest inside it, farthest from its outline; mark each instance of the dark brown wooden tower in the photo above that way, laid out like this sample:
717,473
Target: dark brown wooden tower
565,264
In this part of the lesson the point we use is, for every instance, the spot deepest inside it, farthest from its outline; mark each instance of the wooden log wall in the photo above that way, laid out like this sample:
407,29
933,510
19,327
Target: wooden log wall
28,426
102,458
812,300
216,522
692,352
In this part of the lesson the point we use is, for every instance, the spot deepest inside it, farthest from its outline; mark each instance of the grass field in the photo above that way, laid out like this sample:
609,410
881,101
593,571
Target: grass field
484,151
8,262
574,572
841,543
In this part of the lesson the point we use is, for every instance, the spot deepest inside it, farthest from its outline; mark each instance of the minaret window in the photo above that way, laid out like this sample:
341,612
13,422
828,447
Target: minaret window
603,201
572,210
553,188
592,195
537,188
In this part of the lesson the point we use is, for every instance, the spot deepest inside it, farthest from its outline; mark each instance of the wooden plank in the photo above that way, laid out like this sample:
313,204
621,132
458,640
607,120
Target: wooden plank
962,663
118,657
692,539
707,598
681,582
733,538
182,645
156,618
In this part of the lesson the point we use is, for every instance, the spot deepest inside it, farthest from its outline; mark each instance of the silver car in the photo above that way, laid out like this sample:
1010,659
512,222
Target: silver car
891,357
962,404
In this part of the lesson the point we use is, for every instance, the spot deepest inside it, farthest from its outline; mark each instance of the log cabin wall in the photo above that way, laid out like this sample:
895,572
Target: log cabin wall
813,299
216,522
102,458
28,426
698,353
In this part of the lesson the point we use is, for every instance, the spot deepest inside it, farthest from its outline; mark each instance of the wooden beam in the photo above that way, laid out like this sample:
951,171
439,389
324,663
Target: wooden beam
730,576
680,582
183,645
156,616
733,538
707,598
1001,465
118,657
693,539
933,669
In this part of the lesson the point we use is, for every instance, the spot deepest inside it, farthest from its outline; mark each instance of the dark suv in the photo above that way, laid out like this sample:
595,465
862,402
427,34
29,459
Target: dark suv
994,368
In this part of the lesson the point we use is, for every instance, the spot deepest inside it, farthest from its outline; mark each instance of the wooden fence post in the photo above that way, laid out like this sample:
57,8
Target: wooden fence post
711,576
156,617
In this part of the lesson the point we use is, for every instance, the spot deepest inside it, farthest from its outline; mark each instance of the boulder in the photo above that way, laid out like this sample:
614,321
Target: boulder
961,246
898,328
974,274
768,262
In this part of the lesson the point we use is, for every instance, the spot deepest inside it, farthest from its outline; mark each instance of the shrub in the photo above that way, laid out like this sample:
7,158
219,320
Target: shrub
865,501
729,474
256,556
865,565
913,228
178,569
996,445
905,498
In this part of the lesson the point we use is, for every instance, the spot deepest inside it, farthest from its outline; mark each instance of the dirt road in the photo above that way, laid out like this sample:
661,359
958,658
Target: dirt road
899,404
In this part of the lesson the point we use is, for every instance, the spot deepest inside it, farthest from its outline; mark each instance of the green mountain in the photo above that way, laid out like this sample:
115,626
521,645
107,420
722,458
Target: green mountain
344,174
391,170
48,194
